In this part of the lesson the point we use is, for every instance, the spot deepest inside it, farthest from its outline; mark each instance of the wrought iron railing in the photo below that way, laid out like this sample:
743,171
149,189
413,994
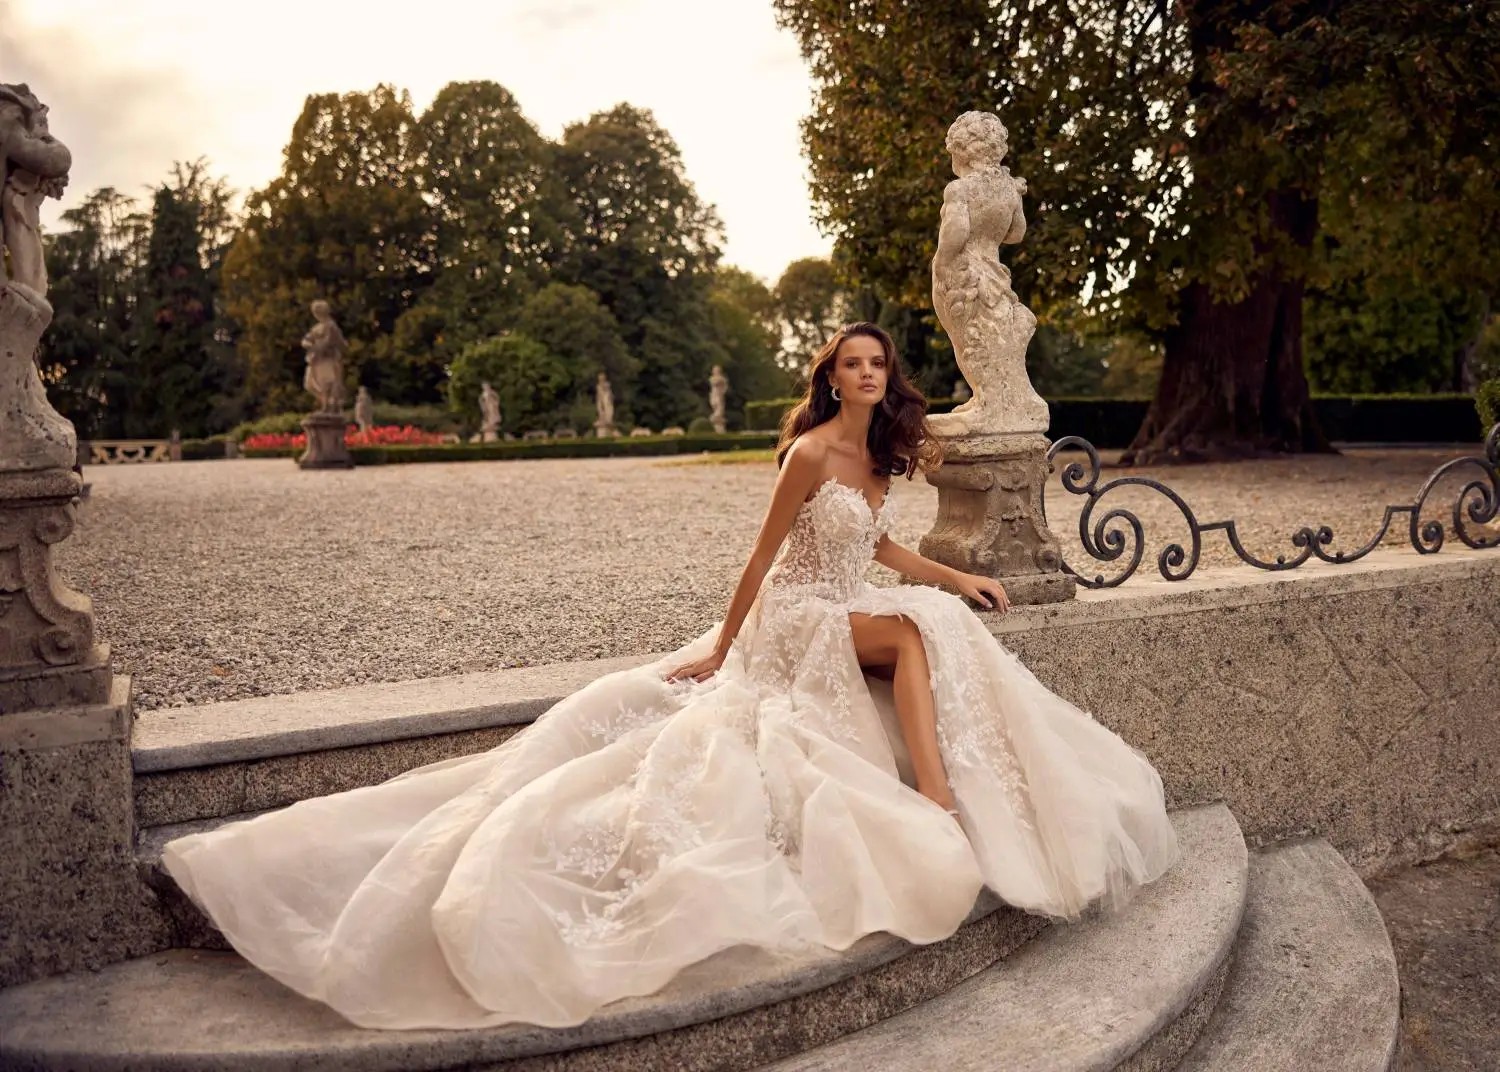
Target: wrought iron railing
1106,539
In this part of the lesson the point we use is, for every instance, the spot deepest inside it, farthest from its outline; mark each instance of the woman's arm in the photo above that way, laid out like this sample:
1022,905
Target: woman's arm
799,475
986,591
892,555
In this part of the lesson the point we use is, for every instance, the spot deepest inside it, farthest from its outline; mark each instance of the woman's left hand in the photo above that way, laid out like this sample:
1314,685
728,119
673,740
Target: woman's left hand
699,669
986,591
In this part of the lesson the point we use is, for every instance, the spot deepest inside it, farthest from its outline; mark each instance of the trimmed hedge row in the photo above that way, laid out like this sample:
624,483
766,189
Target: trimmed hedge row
1487,403
510,450
1113,422
1105,422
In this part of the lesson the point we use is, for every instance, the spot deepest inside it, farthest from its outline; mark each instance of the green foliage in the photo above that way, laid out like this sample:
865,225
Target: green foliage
1487,404
1062,363
1209,146
572,324
93,270
180,371
1378,343
532,382
700,426
345,222
642,240
428,236
428,418
741,312
579,447
496,208
134,349
811,303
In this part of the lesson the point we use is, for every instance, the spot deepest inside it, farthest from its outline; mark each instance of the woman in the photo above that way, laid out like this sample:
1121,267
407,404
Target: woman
753,788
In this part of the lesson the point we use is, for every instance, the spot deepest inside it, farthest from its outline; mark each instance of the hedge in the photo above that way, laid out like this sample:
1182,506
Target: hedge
510,450
1487,404
1105,422
1113,422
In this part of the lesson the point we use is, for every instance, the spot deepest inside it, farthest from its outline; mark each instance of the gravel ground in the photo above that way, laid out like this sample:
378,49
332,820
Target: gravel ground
1444,920
219,580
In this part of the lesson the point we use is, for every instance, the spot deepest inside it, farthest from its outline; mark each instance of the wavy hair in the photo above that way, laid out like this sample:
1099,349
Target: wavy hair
900,439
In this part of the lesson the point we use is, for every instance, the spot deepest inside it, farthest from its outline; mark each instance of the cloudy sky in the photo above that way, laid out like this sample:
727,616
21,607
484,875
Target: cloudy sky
137,84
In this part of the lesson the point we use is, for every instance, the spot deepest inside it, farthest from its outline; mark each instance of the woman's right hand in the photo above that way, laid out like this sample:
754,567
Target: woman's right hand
699,669
986,591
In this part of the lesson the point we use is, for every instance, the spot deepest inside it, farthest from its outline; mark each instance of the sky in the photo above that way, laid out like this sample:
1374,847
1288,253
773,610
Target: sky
135,85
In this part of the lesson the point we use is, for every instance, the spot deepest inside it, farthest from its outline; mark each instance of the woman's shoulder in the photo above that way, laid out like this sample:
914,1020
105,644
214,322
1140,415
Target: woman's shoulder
809,447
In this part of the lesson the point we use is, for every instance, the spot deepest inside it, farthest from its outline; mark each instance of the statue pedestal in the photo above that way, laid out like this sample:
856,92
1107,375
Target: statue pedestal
325,442
605,431
990,519
48,657
72,898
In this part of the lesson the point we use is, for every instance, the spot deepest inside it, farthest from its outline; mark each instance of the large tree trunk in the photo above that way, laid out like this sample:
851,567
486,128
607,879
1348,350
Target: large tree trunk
1232,381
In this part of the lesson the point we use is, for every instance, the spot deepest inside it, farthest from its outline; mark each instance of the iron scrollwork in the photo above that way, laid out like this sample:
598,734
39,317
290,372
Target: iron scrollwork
1106,539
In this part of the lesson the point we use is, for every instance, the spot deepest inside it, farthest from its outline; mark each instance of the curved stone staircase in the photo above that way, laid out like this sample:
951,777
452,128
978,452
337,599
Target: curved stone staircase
1269,960
1234,960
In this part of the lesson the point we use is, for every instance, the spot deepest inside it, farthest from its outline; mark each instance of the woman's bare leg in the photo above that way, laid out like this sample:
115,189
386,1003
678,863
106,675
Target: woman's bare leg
883,640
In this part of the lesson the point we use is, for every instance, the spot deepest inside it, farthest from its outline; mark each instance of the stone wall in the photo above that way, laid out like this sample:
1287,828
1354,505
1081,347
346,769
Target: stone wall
1359,702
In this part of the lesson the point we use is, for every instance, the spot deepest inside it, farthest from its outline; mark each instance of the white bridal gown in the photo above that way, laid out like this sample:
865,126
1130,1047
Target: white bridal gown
640,826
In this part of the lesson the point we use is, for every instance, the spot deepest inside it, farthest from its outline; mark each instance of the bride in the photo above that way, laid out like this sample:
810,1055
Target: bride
832,759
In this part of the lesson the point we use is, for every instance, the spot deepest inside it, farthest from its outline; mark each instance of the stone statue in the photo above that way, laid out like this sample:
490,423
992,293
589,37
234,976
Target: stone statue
325,348
971,292
489,409
718,387
990,519
364,409
604,403
33,165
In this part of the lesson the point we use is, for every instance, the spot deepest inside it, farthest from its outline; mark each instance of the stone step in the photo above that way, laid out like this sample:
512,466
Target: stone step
250,755
198,1010
1127,991
1314,980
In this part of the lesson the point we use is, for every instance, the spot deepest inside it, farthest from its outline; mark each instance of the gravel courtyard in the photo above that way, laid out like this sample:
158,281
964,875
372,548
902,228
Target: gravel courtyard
218,580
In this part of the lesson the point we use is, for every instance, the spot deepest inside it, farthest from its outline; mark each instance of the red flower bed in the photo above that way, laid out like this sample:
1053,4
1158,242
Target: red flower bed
380,436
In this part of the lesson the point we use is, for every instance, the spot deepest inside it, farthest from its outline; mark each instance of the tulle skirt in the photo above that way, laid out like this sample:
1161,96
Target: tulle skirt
640,826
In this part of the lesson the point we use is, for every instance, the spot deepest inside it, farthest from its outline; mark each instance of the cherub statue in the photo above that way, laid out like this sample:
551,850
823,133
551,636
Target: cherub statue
33,166
971,292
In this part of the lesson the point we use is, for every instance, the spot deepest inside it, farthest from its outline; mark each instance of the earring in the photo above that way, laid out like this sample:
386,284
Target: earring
835,392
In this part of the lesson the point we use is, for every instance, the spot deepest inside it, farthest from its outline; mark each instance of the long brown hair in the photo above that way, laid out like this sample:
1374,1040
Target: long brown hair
900,439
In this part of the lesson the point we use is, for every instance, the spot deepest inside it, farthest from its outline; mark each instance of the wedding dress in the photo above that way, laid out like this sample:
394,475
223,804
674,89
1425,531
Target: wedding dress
640,826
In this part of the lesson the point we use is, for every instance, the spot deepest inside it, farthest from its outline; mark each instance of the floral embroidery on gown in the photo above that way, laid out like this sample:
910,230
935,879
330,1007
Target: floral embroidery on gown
640,826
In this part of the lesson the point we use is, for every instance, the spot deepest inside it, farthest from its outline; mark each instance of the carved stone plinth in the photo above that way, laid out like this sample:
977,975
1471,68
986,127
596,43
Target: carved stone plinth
990,519
48,656
605,431
33,435
325,442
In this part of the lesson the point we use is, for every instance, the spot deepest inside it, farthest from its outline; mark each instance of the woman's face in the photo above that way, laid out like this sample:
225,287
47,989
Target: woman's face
859,370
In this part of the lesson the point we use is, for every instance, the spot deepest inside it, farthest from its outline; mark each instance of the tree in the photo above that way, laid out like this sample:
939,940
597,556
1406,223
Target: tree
573,325
1190,168
743,315
533,384
344,221
1411,340
811,304
497,207
93,268
181,373
642,240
